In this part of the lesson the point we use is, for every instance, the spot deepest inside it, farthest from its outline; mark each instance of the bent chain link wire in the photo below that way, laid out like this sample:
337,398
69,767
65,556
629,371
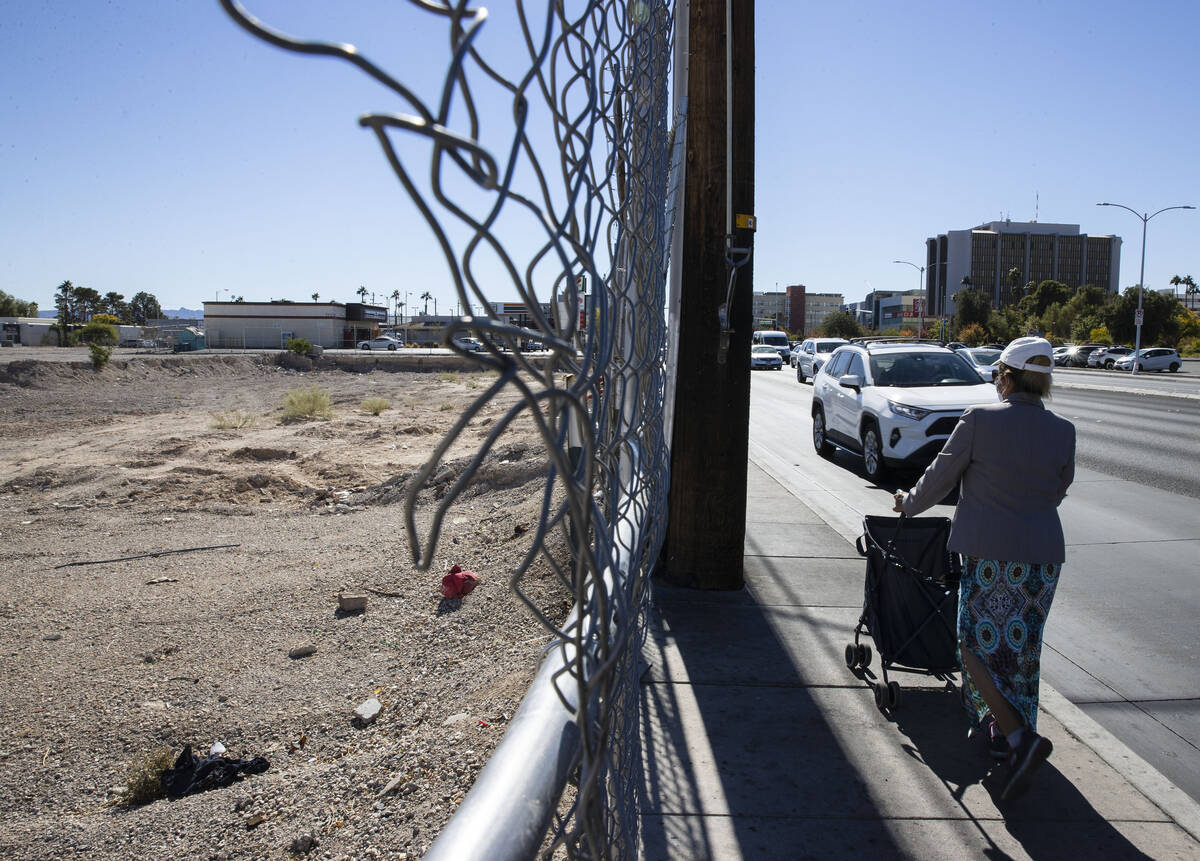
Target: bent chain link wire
596,186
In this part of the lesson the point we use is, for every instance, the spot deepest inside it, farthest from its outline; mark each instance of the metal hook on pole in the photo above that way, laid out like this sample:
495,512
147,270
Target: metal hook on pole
736,257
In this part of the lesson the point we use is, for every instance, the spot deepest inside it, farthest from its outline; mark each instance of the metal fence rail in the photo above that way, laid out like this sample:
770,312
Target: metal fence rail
565,187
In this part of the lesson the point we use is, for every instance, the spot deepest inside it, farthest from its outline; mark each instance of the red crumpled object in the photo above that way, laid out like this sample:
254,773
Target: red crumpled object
459,582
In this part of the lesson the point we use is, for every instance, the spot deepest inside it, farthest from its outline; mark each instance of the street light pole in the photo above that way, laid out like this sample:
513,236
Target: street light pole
1137,320
920,286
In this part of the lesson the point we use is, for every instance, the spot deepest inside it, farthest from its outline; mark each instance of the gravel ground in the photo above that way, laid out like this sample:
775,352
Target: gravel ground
103,662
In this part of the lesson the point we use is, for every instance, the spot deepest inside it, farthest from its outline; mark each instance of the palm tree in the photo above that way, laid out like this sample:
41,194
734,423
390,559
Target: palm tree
1013,279
362,293
426,296
395,307
316,297
1190,288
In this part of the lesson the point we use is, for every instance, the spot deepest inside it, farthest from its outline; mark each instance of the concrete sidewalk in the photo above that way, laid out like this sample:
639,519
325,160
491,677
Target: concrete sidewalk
758,743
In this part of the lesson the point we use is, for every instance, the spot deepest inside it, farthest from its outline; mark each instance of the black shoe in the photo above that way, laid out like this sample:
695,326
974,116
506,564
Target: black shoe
997,743
1023,761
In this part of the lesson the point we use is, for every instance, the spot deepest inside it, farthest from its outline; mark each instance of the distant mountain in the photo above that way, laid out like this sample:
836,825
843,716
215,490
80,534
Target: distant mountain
170,313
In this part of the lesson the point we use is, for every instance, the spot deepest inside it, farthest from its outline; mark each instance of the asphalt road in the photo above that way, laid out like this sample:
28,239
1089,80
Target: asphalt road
1122,641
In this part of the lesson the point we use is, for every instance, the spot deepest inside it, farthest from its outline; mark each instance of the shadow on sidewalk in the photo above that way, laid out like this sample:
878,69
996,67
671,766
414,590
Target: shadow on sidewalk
936,728
741,754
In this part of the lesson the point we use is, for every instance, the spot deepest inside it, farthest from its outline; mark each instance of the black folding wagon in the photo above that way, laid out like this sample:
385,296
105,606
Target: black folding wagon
910,601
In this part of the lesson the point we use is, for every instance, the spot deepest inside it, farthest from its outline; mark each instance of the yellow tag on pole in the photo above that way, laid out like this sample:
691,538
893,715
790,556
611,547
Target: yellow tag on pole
746,222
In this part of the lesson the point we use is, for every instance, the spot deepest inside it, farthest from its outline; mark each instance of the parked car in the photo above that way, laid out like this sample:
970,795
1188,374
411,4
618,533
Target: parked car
383,342
1106,357
1060,355
1150,359
812,353
468,344
894,404
765,357
985,360
776,339
1077,355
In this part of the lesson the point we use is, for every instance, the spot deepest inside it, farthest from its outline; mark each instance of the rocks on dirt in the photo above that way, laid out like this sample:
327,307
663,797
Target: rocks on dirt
368,711
302,651
352,603
304,844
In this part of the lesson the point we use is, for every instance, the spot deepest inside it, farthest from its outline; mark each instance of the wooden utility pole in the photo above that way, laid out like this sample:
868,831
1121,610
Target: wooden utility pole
709,449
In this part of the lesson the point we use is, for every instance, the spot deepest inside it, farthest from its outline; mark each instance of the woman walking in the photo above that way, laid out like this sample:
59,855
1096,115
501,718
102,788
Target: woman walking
1015,460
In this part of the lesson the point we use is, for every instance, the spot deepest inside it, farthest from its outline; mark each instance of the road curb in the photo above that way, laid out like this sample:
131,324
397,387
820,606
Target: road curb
1091,387
1144,777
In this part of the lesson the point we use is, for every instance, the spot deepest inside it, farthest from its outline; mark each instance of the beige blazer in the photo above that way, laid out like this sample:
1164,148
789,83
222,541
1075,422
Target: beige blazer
1015,460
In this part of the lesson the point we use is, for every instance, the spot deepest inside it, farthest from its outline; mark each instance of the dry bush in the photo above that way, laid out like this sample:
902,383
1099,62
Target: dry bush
310,402
143,776
231,419
374,406
449,377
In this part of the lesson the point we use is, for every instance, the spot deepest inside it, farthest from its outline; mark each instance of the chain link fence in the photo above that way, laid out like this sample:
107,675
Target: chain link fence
541,164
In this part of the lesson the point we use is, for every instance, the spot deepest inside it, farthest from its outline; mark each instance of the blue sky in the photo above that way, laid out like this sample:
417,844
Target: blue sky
156,146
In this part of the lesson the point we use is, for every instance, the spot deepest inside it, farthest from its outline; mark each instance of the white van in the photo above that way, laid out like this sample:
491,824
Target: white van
778,340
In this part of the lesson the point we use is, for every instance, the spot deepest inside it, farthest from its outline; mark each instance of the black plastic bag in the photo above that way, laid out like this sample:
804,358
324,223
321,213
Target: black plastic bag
191,774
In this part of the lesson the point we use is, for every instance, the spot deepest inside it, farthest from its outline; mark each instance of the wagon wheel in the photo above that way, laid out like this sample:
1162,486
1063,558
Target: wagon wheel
851,656
864,655
893,695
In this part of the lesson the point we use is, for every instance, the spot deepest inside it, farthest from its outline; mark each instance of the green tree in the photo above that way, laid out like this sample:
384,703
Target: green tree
1012,278
971,306
98,332
115,304
1159,322
426,296
362,293
841,324
1005,324
89,302
10,306
66,302
1043,295
144,307
1056,321
316,297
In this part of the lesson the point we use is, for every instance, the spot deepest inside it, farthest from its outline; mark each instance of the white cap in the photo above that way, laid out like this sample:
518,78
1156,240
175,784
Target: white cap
1029,354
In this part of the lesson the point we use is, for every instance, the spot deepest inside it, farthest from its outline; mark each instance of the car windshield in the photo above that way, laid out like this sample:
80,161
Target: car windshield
983,356
828,346
761,348
777,340
910,370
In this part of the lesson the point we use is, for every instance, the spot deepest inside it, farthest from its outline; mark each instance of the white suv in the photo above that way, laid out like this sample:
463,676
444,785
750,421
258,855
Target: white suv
893,403
814,352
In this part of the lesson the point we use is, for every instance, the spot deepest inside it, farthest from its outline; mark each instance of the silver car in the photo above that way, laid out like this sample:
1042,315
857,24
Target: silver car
808,358
985,360
1106,357
765,357
383,342
1150,359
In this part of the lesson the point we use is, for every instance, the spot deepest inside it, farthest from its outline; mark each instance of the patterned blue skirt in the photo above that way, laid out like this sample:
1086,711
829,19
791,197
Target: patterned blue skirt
1002,609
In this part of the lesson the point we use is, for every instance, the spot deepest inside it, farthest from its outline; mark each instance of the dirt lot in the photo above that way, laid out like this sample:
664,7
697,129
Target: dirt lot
106,661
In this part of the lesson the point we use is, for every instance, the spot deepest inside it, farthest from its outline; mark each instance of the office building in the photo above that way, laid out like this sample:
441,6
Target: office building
1039,252
807,311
